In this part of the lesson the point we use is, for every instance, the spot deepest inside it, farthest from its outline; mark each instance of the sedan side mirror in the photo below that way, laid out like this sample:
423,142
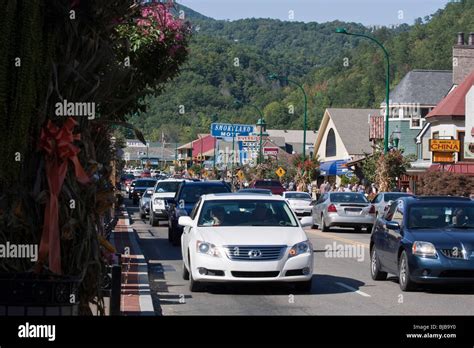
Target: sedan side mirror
185,221
392,225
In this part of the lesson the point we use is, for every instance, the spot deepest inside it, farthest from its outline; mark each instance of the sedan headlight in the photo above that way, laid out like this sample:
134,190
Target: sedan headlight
424,249
207,248
301,248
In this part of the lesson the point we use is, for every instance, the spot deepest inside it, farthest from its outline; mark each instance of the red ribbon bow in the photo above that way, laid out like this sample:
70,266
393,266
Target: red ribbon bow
58,145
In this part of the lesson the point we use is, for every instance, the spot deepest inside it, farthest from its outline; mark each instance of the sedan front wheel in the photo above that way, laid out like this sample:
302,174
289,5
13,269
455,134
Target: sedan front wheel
406,284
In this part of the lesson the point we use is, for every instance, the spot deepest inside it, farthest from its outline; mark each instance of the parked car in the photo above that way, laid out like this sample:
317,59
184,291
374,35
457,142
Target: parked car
382,200
141,185
245,238
186,197
164,192
425,240
343,209
273,185
300,202
144,204
255,191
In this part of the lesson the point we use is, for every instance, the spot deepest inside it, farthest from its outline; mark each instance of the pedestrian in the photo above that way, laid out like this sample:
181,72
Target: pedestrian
291,186
409,190
322,188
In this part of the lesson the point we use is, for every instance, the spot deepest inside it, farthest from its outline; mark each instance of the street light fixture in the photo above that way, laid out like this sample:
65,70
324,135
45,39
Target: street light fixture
276,77
387,86
260,122
396,136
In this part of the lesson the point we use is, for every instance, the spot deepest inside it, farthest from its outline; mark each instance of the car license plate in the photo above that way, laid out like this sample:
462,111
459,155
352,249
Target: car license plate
160,204
353,211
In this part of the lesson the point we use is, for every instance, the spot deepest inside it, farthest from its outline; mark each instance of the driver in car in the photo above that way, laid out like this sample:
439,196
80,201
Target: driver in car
262,215
460,218
217,215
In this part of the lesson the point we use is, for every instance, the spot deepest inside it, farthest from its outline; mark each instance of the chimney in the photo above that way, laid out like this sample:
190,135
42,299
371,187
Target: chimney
463,58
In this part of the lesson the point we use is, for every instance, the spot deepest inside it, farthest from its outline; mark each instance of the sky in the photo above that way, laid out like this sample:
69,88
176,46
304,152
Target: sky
367,12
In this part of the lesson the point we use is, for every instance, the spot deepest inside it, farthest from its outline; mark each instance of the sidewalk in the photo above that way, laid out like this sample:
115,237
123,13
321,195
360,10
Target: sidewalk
136,297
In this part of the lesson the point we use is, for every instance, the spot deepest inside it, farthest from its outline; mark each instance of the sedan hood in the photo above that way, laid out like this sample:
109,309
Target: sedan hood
447,238
252,235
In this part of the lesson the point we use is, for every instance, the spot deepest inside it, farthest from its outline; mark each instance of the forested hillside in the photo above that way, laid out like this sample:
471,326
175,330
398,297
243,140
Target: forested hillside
230,60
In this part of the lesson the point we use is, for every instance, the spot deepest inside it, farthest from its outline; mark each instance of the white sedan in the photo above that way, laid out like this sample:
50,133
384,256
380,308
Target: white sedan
300,202
245,238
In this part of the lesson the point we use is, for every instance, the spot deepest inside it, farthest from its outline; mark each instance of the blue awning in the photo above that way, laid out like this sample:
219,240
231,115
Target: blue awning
333,168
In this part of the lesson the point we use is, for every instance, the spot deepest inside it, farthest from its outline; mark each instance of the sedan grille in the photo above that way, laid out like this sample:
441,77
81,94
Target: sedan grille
254,253
268,274
453,253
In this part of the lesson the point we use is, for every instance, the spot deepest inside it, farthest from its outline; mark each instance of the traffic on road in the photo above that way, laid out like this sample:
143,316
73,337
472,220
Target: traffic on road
336,250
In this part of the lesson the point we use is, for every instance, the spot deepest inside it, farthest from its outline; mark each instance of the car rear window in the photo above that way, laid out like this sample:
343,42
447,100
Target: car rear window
297,195
394,196
167,186
192,193
145,183
343,197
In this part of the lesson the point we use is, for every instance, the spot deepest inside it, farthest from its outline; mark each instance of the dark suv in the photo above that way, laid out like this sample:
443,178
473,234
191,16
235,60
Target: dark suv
141,185
273,185
425,240
187,196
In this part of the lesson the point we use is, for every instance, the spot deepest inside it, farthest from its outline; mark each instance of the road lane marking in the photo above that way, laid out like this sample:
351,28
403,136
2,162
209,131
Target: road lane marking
353,289
341,239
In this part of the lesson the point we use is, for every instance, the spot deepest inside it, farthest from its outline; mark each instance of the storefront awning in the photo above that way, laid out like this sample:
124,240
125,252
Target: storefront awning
331,168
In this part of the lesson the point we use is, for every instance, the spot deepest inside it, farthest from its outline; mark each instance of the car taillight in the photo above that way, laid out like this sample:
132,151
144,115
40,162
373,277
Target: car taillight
372,209
332,209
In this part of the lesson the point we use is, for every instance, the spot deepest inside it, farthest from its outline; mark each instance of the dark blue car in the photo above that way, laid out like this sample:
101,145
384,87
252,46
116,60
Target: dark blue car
425,240
186,197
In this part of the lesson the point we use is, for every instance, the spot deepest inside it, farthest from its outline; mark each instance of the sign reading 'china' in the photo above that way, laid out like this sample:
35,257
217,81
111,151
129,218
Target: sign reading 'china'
445,145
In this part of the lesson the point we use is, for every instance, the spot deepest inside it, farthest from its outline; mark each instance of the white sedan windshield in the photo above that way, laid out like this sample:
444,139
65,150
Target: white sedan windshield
246,213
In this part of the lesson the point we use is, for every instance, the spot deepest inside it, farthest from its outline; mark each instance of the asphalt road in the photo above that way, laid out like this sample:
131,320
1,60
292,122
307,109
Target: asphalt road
341,283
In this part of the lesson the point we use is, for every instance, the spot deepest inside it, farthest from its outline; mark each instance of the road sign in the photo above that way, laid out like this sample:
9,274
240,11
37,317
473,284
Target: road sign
280,172
247,138
271,151
226,130
240,175
445,145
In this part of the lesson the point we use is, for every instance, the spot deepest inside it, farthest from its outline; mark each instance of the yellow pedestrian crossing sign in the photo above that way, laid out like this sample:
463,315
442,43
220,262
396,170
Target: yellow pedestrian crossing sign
240,175
280,172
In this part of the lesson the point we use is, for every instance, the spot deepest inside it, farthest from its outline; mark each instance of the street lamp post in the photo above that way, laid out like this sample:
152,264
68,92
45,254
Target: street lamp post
276,77
387,85
260,122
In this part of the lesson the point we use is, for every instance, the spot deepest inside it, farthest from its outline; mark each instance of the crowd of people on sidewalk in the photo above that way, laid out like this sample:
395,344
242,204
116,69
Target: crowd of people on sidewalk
326,186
